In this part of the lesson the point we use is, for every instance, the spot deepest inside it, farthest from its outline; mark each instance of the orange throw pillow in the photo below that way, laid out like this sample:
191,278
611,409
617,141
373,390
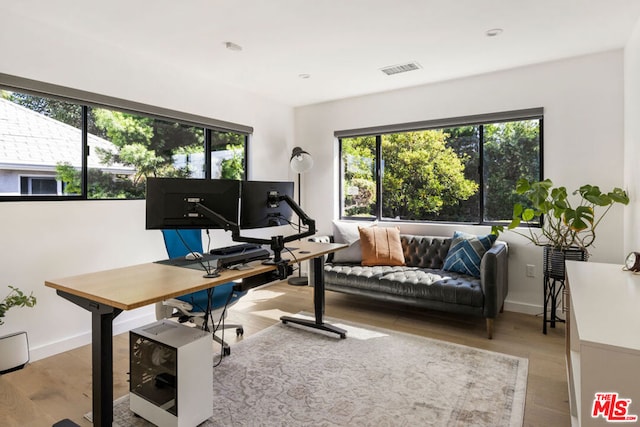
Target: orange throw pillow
381,246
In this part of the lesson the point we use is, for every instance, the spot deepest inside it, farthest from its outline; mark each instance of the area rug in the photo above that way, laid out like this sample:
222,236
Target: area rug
289,376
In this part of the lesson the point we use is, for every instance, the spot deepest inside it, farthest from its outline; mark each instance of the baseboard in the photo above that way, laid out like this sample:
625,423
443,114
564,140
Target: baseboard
51,349
520,307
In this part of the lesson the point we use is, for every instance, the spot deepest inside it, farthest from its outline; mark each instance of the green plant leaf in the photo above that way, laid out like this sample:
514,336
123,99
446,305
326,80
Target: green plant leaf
517,210
522,186
514,223
15,298
528,214
579,219
618,195
559,194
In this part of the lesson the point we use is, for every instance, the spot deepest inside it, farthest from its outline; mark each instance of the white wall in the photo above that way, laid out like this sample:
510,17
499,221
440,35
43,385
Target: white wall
632,138
47,240
583,142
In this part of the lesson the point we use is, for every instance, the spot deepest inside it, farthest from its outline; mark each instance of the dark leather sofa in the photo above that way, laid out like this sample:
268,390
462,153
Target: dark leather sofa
422,282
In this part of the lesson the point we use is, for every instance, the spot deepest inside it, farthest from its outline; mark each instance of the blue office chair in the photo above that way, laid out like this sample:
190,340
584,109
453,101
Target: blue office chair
192,307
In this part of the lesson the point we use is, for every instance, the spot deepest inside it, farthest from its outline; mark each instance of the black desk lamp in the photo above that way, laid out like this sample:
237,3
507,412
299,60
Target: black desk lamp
300,162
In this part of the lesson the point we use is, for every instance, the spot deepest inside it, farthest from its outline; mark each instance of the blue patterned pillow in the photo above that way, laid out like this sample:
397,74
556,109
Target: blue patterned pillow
466,251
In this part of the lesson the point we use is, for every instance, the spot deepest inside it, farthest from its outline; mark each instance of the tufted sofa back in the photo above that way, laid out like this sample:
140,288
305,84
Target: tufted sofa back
425,251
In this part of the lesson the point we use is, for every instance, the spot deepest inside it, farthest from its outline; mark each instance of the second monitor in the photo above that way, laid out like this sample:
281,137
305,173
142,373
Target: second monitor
262,206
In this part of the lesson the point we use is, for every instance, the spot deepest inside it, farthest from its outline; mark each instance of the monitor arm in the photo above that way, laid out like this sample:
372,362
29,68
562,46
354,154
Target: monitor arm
276,242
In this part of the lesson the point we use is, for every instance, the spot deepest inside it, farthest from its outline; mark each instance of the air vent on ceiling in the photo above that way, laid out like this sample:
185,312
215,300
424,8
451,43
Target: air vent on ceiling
402,68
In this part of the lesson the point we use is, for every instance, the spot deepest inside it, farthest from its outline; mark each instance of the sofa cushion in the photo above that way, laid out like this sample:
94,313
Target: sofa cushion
381,246
410,282
425,251
347,232
466,251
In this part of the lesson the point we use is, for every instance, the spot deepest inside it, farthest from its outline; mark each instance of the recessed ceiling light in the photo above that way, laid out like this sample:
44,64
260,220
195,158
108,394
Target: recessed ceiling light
233,46
494,32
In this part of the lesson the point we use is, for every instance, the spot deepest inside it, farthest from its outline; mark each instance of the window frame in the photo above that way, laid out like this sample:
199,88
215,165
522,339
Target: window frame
475,120
88,100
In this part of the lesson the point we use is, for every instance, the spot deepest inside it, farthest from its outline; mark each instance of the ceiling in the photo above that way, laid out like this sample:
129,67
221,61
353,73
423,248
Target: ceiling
341,45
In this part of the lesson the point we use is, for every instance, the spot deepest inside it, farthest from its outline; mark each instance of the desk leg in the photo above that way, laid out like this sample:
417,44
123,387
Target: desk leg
317,278
101,356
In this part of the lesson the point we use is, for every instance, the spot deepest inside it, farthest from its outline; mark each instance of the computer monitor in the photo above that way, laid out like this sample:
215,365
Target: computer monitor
260,204
178,202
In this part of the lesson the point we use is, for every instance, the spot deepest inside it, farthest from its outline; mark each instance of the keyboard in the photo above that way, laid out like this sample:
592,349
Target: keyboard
235,249
226,261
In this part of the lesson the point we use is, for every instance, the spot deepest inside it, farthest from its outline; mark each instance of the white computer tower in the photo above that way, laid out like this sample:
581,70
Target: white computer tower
171,374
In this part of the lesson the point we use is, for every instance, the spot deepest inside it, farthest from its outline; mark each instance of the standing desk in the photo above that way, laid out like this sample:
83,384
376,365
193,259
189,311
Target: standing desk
107,293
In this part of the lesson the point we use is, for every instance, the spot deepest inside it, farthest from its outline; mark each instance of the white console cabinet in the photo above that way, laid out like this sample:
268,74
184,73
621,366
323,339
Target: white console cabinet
603,343
171,374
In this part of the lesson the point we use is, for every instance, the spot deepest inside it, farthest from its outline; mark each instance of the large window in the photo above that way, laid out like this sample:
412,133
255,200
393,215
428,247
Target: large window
465,171
51,149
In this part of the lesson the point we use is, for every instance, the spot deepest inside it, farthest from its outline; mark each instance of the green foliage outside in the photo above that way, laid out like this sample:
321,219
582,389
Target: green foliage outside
434,174
422,174
511,152
232,168
147,145
359,193
15,298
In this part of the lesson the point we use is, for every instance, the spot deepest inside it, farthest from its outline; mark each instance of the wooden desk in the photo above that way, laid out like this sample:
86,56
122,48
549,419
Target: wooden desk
107,293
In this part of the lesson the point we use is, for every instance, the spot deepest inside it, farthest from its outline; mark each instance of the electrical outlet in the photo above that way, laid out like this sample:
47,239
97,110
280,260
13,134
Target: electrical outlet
531,270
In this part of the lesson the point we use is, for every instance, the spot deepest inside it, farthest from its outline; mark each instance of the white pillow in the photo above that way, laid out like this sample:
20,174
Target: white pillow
347,232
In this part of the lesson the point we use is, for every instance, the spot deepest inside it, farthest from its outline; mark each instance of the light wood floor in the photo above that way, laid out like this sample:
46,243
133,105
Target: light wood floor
59,387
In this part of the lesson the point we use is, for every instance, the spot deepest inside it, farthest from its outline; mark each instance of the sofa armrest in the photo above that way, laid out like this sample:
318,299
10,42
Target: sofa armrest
494,278
321,239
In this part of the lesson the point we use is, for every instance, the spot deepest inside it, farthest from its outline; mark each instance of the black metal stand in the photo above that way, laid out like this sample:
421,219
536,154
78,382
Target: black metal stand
554,277
317,272
552,289
101,356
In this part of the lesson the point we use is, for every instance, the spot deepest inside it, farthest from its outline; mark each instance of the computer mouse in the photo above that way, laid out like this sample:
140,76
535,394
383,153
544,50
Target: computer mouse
193,255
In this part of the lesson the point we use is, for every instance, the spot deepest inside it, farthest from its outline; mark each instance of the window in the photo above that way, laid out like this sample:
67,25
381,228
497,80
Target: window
457,170
39,185
228,155
52,149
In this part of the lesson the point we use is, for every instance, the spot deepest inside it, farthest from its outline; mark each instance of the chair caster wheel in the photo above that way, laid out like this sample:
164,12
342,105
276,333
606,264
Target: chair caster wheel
239,332
226,351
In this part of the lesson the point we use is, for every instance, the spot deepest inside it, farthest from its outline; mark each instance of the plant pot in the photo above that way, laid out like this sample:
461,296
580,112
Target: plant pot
14,352
554,266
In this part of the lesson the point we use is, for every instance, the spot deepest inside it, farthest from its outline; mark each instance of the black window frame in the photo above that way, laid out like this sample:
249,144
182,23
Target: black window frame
476,120
88,100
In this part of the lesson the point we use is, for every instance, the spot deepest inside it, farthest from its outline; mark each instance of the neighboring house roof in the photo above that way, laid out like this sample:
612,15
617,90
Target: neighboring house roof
35,142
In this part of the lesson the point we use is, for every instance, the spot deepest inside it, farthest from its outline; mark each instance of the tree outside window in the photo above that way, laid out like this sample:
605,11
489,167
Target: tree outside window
124,148
464,174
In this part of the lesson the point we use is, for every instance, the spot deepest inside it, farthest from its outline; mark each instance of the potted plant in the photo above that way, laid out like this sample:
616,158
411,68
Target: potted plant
562,225
565,226
14,348
15,298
